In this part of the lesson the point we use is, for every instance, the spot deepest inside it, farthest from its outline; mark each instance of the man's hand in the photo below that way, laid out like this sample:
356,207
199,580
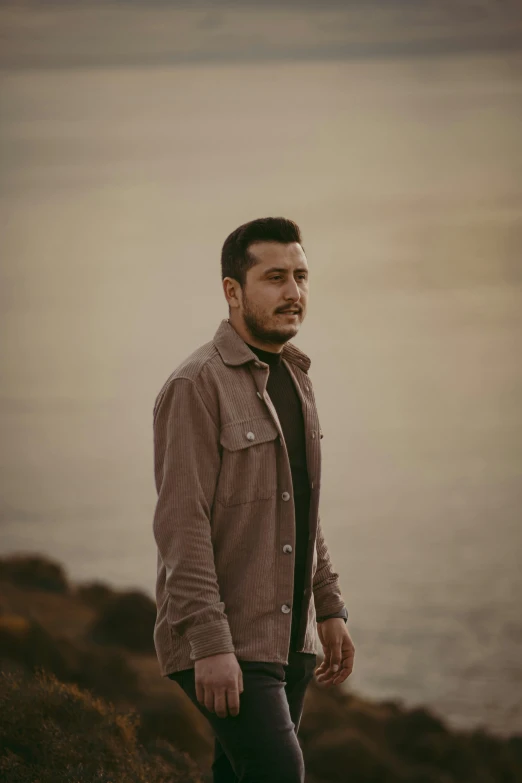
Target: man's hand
338,652
219,681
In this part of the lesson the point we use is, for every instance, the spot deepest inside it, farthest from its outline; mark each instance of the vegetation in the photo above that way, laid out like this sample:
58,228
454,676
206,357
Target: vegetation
54,733
81,700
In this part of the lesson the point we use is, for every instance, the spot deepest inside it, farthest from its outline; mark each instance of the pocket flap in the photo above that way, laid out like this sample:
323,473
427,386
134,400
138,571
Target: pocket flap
242,434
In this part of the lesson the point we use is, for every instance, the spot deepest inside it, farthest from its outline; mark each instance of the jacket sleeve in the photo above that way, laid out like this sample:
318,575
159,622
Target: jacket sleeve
186,464
326,589
343,614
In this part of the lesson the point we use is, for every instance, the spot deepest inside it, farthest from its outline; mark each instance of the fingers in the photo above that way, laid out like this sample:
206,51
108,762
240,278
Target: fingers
208,699
322,668
234,693
331,664
233,702
347,667
200,691
221,700
344,672
336,658
326,676
331,678
225,701
341,676
325,664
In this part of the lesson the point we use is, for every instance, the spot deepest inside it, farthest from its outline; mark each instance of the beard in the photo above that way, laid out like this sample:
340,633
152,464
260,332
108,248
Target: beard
261,327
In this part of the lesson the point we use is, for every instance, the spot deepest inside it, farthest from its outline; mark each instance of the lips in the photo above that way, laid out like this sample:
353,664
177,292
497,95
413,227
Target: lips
289,312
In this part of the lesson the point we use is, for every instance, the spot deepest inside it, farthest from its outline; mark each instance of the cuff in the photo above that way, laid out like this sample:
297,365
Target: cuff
209,639
343,614
328,599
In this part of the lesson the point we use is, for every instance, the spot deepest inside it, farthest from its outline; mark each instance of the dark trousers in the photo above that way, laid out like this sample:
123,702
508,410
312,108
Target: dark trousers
259,745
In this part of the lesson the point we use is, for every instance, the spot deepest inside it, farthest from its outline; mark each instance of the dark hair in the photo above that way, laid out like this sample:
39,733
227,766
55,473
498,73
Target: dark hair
235,258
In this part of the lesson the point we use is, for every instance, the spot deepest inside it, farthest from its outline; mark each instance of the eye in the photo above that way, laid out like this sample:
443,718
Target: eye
275,277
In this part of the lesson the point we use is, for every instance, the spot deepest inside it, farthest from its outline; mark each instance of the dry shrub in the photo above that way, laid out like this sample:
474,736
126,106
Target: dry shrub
104,671
348,749
95,594
127,620
388,742
67,735
174,719
34,572
55,733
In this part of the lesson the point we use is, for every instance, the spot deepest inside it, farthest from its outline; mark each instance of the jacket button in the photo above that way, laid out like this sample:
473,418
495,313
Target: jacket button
313,434
286,496
287,549
250,436
285,609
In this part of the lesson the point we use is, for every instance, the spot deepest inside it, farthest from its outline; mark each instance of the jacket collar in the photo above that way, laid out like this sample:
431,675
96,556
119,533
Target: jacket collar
234,350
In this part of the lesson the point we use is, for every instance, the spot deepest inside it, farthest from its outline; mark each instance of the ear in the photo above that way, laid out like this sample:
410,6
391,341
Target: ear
232,291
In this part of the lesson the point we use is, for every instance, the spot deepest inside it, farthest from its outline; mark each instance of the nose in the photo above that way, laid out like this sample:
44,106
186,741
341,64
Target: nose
292,292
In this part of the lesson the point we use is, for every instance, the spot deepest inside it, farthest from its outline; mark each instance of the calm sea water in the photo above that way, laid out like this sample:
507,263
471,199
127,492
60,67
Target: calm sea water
118,187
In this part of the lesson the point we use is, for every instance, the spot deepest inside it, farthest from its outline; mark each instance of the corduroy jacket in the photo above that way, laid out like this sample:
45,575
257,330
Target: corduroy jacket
223,523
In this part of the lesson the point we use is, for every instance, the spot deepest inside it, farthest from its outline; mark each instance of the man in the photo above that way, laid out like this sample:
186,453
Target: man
244,573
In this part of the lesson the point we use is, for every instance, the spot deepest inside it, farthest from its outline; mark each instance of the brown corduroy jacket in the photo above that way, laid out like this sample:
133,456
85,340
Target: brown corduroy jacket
224,522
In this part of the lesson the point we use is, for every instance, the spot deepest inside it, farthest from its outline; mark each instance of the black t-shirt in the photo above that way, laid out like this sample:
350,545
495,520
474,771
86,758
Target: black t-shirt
282,392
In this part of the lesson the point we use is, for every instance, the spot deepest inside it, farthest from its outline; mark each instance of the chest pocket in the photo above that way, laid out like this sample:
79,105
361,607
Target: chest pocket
249,461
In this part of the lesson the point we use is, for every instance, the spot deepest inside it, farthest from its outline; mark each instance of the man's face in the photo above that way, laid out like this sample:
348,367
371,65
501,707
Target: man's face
275,293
